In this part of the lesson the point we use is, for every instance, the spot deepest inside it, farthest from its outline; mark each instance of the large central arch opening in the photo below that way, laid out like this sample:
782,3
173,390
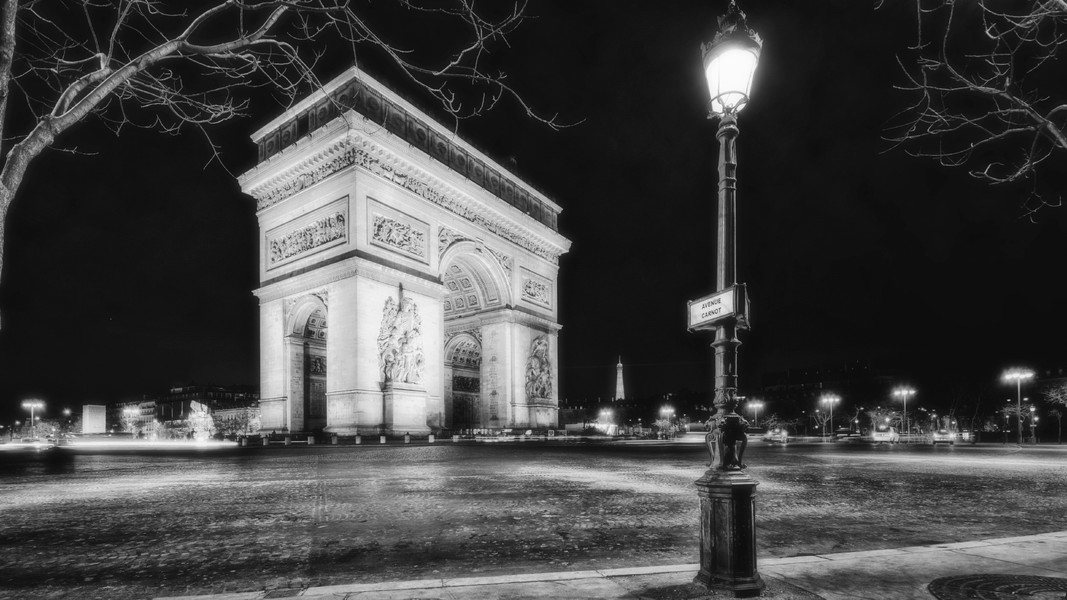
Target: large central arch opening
475,282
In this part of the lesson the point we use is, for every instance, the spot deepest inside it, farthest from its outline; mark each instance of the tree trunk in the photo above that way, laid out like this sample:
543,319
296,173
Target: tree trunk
5,202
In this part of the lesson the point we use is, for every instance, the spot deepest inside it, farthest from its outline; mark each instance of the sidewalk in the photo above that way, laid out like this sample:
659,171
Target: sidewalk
901,573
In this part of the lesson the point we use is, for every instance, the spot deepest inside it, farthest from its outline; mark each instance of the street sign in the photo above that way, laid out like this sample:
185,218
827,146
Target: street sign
708,312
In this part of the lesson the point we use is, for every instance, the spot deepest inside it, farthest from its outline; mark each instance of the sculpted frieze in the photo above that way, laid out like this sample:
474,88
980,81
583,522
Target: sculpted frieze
399,235
537,292
282,247
349,154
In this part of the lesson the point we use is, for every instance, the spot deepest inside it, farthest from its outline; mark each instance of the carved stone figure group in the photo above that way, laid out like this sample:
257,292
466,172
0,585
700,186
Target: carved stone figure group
400,356
538,370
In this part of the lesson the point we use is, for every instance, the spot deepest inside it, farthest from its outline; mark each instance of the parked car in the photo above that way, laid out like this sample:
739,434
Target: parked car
885,433
944,436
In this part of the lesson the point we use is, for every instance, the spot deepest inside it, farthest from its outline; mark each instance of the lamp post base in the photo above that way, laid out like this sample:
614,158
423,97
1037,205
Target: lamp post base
728,533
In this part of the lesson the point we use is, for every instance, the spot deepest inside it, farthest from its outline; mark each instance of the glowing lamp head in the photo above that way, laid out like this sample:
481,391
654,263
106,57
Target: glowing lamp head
730,62
1017,374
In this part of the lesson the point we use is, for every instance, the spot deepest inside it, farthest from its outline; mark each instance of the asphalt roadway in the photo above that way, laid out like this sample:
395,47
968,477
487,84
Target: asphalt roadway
285,521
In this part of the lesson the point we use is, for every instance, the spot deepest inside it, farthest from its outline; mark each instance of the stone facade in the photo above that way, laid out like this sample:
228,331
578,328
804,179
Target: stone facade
407,282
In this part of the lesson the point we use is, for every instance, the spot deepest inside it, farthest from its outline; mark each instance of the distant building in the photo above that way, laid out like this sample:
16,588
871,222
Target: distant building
858,383
94,418
236,407
620,390
176,403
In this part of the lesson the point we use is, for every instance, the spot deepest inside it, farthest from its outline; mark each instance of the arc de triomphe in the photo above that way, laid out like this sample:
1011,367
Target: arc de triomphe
407,281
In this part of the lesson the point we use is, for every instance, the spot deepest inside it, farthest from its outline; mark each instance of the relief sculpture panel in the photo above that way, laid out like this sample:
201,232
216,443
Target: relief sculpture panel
400,357
398,235
290,242
538,370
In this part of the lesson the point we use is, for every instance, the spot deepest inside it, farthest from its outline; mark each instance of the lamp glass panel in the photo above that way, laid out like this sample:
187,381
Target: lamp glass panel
729,78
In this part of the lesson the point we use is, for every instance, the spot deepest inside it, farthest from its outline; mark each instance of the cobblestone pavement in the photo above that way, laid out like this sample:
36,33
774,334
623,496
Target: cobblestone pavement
123,525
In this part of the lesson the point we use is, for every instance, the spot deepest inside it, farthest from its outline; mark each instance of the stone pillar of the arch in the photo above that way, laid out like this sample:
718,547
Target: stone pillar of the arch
297,352
356,397
353,402
506,342
273,402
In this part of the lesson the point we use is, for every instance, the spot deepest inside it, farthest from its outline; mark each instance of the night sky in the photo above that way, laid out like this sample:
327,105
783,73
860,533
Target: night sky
130,263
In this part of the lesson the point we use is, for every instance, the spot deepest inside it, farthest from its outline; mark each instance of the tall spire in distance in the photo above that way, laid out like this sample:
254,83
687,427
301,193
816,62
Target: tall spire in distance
620,392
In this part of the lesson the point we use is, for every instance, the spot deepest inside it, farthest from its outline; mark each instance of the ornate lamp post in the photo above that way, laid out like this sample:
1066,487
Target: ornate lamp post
905,392
33,405
727,494
1018,375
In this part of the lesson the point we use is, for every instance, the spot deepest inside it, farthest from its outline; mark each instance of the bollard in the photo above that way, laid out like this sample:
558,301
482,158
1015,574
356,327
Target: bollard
333,440
431,438
288,441
407,438
383,439
359,439
311,440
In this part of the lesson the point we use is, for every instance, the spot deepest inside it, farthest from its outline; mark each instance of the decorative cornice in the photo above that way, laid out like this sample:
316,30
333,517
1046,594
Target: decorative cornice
356,150
356,93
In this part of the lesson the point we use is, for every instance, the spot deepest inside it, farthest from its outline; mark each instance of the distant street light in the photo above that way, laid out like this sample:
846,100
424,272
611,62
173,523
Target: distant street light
755,405
33,405
1018,374
1033,421
905,392
830,399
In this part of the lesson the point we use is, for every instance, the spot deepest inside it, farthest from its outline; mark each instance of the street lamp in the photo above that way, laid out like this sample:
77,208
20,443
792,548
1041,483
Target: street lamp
1033,420
727,498
905,392
729,65
33,405
755,405
1018,374
830,399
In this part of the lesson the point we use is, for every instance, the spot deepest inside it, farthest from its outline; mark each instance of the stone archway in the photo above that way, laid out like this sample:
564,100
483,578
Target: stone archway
476,282
463,363
307,338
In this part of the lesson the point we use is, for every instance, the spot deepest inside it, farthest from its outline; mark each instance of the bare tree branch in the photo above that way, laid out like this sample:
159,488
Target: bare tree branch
164,65
977,91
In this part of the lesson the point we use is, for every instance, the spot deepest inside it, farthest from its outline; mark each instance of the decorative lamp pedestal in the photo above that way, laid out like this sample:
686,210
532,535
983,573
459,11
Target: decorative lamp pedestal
728,533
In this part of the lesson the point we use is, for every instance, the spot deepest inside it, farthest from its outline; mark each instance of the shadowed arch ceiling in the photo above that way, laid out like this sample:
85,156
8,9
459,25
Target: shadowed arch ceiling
316,325
468,288
465,352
